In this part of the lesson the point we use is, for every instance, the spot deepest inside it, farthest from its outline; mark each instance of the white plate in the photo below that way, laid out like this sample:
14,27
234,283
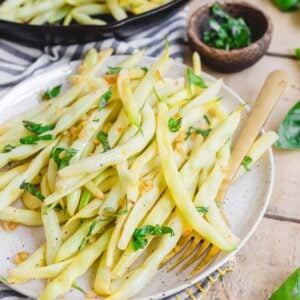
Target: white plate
245,205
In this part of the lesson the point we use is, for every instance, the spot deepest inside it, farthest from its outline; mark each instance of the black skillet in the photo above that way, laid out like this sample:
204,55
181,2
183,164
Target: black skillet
41,35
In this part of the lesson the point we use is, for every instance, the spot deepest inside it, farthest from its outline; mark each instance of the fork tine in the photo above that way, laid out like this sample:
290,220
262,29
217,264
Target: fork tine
212,253
195,243
183,241
196,256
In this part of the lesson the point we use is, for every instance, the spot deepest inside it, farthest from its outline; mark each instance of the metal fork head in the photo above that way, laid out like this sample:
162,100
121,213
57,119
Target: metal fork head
192,248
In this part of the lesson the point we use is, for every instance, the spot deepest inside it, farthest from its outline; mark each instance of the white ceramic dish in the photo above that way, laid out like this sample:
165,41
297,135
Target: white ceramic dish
246,202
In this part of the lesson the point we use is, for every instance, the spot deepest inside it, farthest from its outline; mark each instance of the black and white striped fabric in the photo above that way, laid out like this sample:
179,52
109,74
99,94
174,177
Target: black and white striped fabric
18,62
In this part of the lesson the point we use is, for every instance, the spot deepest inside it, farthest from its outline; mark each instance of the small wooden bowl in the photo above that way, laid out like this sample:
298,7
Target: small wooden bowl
234,60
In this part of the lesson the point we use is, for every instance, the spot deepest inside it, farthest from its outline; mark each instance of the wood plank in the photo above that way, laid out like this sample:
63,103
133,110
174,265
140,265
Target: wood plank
268,258
286,25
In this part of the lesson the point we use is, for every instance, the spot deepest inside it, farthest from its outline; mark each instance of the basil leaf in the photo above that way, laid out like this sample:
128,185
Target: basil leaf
63,156
37,127
203,132
174,124
32,140
105,98
206,119
8,148
226,32
287,5
139,240
113,70
32,190
297,53
52,93
102,137
290,289
203,210
289,130
194,79
96,120
145,69
246,162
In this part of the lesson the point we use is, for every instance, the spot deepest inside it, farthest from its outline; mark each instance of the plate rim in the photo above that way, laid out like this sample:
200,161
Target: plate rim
210,269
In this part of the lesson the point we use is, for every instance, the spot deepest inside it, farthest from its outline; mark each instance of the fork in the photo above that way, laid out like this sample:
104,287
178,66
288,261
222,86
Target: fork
192,243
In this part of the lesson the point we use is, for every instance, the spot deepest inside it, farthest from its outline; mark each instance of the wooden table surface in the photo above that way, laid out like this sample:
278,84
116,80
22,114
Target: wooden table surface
273,252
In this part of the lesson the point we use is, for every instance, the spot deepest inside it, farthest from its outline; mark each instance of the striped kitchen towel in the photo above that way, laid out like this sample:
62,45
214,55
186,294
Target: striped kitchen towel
17,62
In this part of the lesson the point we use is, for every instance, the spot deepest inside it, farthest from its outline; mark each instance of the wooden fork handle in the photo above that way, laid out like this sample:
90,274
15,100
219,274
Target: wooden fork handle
268,96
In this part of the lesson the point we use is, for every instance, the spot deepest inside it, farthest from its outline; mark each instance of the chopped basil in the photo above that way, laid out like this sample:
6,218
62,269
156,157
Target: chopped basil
63,156
139,240
174,124
297,53
113,70
96,120
203,210
226,32
32,190
105,98
246,162
77,287
96,221
52,93
102,137
194,79
145,69
37,127
32,140
206,119
203,132
289,130
8,148
290,289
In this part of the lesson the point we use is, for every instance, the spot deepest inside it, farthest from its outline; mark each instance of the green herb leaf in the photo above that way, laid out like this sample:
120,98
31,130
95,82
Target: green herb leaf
102,137
290,290
206,119
32,190
139,240
194,79
63,156
52,93
37,127
287,5
113,70
174,124
203,132
246,162
145,69
32,140
91,231
289,130
203,210
77,287
105,98
3,279
297,53
96,120
226,32
8,148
